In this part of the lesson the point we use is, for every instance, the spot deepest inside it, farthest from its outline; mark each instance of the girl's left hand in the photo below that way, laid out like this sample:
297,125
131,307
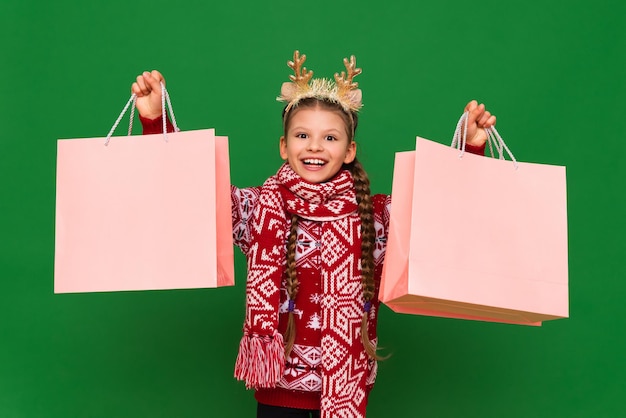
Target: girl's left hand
148,91
478,119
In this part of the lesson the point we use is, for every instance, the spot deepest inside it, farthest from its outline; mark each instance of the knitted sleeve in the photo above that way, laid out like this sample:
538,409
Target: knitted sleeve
155,126
476,150
242,206
382,206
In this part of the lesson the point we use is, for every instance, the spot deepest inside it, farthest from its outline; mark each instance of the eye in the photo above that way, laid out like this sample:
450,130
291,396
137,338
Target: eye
330,138
301,136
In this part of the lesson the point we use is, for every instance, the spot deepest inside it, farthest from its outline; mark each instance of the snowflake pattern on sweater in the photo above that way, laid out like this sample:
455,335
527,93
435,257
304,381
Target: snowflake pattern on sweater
302,368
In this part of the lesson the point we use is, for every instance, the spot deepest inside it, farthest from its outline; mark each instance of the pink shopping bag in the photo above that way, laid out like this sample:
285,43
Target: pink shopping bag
145,212
476,238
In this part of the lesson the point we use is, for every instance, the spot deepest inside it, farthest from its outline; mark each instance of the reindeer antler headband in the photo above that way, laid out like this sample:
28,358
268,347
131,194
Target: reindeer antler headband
343,90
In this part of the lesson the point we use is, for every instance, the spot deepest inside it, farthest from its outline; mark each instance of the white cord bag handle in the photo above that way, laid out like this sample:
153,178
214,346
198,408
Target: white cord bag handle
133,101
494,139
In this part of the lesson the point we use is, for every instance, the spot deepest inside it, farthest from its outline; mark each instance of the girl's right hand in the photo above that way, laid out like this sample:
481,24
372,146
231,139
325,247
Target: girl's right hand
479,118
148,91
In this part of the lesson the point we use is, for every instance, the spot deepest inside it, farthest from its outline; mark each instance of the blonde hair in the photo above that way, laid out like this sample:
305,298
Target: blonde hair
368,233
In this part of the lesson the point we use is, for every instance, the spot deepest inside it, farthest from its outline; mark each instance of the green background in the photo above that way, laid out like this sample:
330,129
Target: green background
552,71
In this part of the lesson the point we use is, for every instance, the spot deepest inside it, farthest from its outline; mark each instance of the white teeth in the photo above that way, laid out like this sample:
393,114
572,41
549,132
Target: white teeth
314,161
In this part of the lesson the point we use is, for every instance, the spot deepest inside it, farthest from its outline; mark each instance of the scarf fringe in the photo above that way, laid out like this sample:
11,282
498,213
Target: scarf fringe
261,360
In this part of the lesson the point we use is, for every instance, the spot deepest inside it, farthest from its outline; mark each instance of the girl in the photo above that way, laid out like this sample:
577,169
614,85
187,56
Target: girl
315,241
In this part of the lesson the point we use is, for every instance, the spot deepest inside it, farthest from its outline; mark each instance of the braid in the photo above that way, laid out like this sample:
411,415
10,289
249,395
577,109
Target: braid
292,283
368,235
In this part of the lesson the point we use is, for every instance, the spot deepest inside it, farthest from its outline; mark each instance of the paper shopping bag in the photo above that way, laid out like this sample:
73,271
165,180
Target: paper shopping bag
476,238
142,213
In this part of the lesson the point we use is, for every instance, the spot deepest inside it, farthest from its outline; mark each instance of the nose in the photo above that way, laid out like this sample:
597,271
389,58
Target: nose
315,144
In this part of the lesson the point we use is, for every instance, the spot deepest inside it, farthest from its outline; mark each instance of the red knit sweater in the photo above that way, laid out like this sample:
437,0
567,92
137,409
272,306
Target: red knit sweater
301,384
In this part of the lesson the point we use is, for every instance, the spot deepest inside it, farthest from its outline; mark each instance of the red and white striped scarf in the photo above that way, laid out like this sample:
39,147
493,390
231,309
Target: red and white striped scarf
261,361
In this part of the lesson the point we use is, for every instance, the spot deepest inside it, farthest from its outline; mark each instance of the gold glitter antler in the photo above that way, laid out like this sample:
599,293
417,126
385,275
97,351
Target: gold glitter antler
302,77
302,85
345,84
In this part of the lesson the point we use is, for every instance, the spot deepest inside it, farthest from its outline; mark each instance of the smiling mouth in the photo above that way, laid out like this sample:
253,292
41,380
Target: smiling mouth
314,162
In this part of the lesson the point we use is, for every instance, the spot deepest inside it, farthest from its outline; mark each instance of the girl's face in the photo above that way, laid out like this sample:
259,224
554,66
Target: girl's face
317,144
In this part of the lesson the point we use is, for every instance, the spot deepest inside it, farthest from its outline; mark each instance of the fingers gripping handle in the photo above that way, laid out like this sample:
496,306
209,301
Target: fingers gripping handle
459,140
165,97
